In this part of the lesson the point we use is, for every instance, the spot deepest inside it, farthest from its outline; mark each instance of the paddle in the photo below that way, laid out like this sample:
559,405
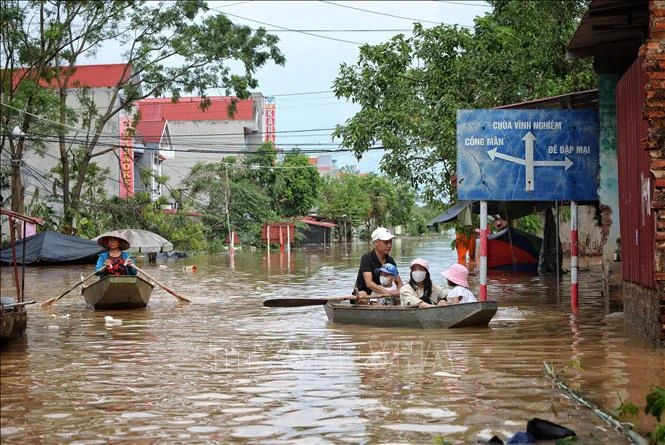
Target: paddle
297,302
50,301
180,298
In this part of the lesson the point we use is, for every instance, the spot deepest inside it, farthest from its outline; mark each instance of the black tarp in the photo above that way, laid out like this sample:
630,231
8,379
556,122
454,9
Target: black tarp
53,248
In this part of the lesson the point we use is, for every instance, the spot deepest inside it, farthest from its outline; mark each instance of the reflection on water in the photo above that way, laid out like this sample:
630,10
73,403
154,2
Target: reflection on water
226,369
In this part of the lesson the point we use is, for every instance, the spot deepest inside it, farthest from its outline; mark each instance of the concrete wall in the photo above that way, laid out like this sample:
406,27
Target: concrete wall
37,167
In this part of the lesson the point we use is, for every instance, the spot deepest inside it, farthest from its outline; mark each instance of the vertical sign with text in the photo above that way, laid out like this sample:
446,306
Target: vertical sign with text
270,120
126,156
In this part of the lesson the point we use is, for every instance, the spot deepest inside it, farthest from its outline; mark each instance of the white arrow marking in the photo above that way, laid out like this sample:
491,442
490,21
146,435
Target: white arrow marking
567,163
528,139
493,154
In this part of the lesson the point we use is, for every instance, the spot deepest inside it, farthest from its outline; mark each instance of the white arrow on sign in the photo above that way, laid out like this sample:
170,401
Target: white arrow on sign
528,161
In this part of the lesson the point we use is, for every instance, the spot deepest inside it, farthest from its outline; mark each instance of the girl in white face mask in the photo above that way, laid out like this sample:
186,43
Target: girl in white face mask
420,292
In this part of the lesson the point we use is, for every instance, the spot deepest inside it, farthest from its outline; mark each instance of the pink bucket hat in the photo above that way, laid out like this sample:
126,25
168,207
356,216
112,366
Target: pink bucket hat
458,274
420,262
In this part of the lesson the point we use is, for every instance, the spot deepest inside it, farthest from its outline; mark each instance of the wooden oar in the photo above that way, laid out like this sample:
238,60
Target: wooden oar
181,298
50,301
296,302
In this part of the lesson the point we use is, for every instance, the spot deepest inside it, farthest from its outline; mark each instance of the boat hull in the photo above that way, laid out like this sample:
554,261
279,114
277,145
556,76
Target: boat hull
118,292
439,317
13,323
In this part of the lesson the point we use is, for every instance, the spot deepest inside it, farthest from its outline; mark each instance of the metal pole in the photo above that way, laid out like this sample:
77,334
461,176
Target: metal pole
483,250
22,295
268,239
574,299
558,269
228,218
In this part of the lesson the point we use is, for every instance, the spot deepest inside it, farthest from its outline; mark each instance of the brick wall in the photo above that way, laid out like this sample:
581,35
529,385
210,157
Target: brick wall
653,55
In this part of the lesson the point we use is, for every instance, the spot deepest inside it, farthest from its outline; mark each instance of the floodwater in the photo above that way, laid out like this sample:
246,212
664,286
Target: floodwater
225,369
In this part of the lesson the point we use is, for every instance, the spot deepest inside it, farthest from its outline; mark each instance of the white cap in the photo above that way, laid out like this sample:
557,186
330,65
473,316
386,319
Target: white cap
383,234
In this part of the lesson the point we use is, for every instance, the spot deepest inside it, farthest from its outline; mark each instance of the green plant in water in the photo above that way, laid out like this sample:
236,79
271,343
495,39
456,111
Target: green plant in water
439,440
658,434
626,410
656,402
566,440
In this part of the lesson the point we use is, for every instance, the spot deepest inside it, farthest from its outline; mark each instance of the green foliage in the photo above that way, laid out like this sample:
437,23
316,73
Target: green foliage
531,224
566,440
410,88
439,440
656,402
658,434
626,410
174,48
296,187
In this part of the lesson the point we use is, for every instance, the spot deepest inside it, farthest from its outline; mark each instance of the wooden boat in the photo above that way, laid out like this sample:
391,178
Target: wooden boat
13,319
13,316
452,316
118,292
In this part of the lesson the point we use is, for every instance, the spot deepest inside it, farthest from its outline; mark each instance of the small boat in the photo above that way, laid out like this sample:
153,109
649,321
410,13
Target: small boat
513,250
13,319
118,292
450,316
13,316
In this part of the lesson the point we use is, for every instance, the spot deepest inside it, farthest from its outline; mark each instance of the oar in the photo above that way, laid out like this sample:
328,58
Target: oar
50,301
181,298
296,302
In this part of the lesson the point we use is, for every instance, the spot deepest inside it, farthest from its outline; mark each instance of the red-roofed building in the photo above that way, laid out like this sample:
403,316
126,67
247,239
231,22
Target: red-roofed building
100,82
201,135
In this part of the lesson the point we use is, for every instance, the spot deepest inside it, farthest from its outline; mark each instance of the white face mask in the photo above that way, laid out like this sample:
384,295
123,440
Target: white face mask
385,281
418,276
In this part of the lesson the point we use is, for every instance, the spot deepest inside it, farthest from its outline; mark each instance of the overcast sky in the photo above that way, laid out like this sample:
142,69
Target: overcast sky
313,62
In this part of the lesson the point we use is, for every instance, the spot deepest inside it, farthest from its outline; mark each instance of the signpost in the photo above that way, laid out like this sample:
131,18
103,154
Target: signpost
527,155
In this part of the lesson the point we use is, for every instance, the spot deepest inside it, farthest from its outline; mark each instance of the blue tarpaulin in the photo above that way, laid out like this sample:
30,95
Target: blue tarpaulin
53,248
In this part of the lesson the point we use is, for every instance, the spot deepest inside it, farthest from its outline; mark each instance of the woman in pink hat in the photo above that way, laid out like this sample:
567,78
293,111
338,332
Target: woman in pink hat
420,291
458,279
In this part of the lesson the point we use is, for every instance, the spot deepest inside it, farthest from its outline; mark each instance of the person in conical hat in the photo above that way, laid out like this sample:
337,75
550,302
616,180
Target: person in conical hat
114,261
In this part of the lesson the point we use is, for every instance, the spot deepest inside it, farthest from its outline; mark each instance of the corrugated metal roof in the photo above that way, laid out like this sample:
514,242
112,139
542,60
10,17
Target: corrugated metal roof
611,28
579,100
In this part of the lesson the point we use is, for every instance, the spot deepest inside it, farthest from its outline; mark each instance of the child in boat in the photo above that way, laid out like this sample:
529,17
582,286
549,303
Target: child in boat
420,291
114,261
457,276
387,275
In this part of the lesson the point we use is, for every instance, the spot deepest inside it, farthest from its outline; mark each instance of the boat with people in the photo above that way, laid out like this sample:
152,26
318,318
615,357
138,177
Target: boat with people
118,292
438,317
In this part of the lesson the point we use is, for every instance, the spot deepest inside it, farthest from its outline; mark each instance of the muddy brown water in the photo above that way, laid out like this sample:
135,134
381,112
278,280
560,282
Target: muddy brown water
225,369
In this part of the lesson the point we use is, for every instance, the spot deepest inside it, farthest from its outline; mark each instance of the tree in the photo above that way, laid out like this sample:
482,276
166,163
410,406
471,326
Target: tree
410,89
296,186
169,48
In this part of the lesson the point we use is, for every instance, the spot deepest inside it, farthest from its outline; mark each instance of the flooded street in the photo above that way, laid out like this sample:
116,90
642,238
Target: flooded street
226,369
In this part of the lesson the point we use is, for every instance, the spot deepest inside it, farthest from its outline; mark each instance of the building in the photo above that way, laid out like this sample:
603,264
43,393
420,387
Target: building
627,43
189,135
88,82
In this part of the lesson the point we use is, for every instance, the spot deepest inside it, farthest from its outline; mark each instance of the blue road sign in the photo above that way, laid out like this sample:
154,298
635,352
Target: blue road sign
527,155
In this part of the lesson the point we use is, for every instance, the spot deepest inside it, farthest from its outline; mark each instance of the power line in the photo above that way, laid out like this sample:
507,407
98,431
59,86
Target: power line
477,3
379,13
290,29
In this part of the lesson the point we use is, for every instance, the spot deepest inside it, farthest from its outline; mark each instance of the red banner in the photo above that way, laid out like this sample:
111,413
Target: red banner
126,156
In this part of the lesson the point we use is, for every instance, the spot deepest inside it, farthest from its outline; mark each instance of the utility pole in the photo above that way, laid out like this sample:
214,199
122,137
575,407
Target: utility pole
228,217
16,161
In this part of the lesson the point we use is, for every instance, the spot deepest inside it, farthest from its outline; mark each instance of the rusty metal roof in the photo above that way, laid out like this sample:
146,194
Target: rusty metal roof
610,28
579,100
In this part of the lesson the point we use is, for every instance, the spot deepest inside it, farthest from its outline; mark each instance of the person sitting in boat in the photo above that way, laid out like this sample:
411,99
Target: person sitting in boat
499,223
114,261
420,291
458,278
372,260
387,275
